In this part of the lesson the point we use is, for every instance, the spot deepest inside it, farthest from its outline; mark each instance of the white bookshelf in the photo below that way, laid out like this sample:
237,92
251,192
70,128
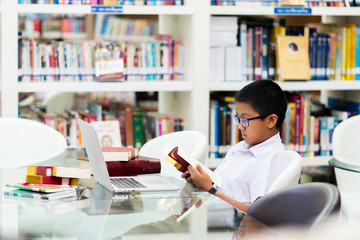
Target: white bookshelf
85,9
306,162
191,25
293,85
270,11
161,86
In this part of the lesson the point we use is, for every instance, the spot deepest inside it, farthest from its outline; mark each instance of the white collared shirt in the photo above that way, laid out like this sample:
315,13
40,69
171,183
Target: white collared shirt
248,173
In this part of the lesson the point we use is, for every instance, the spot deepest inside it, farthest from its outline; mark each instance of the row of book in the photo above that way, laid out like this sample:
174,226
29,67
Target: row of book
302,3
332,52
106,27
105,2
118,125
304,131
52,27
110,27
162,59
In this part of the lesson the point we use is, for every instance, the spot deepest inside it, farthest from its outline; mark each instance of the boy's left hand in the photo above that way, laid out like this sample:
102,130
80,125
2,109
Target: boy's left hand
200,177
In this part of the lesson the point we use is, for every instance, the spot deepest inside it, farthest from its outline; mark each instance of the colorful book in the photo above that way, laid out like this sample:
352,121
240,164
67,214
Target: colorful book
51,180
59,171
40,195
119,153
41,187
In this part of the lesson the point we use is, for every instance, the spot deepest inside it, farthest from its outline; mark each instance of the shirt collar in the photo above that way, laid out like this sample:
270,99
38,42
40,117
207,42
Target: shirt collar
259,148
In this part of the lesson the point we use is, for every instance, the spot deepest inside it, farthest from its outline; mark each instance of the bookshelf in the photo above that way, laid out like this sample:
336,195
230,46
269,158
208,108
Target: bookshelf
190,24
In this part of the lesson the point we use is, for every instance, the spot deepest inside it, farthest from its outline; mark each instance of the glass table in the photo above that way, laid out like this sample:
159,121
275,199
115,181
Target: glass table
98,214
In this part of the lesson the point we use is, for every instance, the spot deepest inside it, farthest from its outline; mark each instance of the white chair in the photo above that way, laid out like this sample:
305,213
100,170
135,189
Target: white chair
24,142
221,214
290,175
346,150
192,142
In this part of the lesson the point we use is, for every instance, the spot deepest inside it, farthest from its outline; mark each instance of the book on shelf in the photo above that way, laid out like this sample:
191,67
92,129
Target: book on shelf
51,180
119,153
58,171
181,161
108,133
45,188
293,56
136,166
40,195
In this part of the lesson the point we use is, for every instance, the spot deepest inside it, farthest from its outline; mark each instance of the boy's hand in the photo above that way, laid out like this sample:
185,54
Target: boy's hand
200,177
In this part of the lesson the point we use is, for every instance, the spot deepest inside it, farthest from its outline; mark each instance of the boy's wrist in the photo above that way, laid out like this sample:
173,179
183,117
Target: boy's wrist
212,191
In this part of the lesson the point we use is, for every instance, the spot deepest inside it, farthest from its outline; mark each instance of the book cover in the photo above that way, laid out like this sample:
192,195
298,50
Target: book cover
108,133
119,153
181,160
58,171
293,58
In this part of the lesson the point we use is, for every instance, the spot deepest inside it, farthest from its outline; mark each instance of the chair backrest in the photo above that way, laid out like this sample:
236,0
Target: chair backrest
290,175
192,142
24,142
303,205
345,141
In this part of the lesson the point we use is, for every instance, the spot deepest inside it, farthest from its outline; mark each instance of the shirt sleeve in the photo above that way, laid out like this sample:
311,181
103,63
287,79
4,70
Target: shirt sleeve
259,175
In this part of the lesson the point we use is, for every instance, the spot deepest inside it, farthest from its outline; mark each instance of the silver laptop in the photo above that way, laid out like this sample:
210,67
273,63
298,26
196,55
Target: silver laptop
143,183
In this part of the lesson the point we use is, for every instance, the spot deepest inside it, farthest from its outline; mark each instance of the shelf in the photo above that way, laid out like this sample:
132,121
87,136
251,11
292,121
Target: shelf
86,9
159,86
307,161
292,86
268,11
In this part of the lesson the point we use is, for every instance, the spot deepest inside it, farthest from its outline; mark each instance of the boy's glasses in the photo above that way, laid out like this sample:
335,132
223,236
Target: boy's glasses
245,121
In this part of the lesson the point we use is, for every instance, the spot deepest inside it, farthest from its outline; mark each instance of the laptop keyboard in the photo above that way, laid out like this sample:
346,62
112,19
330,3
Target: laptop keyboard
126,183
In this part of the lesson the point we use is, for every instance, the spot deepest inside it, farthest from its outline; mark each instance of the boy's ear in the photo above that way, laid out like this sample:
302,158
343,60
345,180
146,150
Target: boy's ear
272,120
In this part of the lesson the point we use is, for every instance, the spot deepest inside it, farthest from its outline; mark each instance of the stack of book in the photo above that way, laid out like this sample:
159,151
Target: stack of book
225,55
49,182
122,162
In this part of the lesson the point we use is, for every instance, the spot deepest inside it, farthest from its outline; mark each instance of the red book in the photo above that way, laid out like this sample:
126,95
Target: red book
258,52
176,160
139,165
51,180
133,167
119,153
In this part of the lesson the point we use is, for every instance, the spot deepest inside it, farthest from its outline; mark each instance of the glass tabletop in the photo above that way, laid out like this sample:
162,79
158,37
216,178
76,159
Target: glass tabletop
98,214
343,164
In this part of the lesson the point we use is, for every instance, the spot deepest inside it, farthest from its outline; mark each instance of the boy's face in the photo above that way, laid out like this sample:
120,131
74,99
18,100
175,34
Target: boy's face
258,129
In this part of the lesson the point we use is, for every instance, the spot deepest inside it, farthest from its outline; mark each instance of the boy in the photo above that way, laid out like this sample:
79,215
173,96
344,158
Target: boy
250,166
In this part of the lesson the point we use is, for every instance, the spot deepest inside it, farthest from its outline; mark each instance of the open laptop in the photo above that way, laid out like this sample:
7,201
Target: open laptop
143,183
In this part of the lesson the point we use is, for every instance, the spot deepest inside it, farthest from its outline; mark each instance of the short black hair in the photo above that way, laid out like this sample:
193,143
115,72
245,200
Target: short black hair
265,97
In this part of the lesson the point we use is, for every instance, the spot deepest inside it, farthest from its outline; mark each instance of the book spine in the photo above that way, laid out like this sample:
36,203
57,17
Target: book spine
51,180
138,128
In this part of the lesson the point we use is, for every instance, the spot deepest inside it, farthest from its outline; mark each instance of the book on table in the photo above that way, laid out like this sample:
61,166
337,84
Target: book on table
133,167
40,195
45,188
59,171
119,153
181,160
51,180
